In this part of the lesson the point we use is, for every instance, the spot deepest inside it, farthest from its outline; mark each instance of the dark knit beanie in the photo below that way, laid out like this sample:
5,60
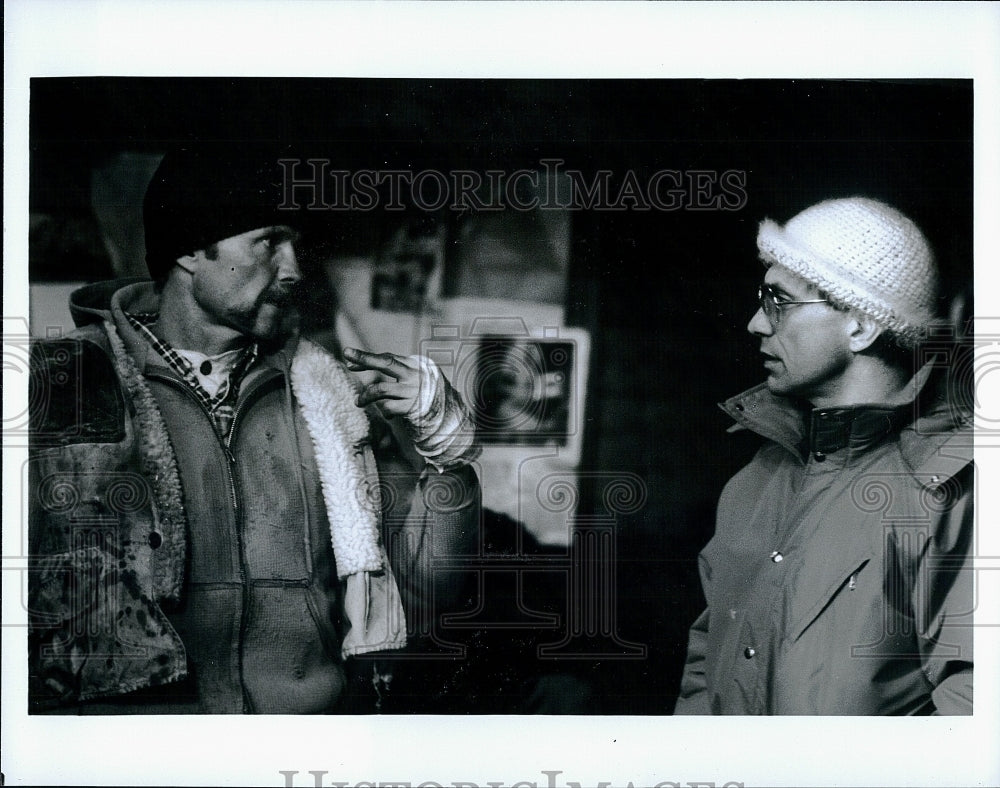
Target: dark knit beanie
202,194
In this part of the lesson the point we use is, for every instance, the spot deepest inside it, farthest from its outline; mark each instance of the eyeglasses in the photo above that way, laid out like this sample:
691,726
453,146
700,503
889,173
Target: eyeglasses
772,303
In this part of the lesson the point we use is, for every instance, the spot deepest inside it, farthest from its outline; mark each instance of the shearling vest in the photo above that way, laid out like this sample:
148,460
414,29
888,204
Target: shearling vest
190,575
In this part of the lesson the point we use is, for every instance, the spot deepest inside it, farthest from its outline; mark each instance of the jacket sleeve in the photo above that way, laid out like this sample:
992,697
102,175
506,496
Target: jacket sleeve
693,698
431,522
443,527
943,595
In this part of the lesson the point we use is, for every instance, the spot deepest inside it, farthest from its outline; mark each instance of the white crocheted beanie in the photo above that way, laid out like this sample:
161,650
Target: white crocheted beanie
864,254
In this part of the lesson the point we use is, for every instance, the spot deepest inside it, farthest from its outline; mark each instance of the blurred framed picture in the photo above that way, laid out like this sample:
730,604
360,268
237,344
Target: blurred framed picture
401,284
523,390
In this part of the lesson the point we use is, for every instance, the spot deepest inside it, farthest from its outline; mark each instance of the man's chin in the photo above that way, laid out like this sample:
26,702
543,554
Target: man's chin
273,324
776,386
269,332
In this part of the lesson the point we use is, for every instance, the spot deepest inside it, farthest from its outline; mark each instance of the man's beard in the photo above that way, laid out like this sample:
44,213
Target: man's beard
272,318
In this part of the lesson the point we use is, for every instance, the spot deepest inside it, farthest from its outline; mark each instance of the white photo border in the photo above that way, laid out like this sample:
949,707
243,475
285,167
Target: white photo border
623,40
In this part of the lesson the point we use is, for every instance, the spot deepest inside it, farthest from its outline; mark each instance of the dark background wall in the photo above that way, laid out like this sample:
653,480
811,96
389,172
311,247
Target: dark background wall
666,295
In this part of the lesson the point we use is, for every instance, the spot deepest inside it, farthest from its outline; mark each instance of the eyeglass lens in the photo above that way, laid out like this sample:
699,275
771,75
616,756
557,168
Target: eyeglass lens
766,299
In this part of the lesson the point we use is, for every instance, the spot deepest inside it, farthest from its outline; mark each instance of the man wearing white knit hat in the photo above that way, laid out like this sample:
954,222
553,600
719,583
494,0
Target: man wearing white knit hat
839,578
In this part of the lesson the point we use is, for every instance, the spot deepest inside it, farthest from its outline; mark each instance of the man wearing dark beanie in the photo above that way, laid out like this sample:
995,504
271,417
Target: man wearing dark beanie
210,517
839,578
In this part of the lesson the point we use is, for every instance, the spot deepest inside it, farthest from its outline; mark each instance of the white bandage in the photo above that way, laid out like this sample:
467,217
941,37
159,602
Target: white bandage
443,431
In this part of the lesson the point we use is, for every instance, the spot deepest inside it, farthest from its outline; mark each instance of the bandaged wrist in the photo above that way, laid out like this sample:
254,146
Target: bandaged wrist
443,431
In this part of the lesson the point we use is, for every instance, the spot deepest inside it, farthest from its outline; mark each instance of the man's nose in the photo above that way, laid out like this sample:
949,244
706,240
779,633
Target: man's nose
289,272
760,324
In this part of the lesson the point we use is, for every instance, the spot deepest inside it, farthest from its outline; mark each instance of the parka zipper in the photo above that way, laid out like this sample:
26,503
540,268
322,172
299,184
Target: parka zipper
237,512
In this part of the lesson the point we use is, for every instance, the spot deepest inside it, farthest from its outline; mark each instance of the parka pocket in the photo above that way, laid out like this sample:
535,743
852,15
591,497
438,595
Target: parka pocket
807,608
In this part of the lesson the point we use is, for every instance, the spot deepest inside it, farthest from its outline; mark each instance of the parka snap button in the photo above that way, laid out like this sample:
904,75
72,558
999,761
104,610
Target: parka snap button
155,540
749,652
819,456
777,557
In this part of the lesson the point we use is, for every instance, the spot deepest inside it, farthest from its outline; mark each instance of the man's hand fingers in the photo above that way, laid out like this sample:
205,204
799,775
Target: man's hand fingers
386,363
396,396
381,392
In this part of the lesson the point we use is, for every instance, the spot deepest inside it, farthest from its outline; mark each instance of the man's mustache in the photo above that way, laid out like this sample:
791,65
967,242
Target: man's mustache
280,296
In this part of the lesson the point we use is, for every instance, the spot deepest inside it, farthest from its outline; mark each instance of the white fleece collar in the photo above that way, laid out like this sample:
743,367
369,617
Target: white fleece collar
340,434
340,430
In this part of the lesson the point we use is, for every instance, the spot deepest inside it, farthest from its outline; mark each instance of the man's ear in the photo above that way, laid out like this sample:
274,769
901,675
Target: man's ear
864,331
188,262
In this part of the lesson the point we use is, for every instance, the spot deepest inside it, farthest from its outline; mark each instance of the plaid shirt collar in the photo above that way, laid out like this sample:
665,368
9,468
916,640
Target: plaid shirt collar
221,406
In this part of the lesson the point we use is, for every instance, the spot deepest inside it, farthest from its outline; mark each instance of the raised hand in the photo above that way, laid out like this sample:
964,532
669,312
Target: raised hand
398,390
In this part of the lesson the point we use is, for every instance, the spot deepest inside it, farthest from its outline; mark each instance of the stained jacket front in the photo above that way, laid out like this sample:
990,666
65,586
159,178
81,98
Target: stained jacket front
177,570
839,577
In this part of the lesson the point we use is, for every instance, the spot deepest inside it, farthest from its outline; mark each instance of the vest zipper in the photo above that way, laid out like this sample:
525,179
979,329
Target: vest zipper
244,573
237,513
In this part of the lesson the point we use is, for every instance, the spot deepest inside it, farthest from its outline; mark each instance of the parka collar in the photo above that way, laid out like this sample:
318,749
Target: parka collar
804,430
